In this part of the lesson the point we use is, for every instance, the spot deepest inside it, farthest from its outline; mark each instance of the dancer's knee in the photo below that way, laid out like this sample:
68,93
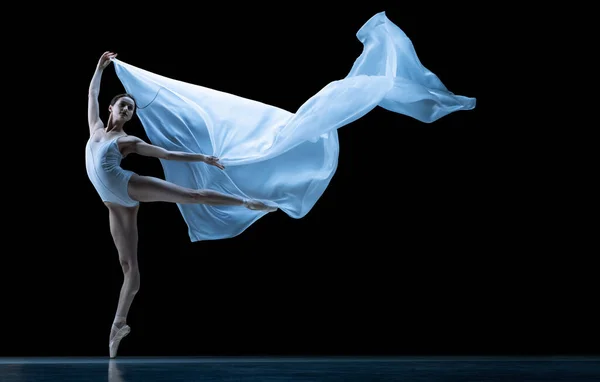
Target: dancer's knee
128,265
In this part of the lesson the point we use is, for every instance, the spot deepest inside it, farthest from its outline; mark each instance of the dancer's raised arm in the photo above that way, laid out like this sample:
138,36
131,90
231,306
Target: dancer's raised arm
94,120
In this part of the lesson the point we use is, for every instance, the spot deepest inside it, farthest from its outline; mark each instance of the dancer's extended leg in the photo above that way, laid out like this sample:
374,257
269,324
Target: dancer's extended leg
123,227
151,189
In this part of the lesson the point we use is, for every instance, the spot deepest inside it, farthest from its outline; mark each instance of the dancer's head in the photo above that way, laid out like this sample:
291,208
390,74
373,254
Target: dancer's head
122,107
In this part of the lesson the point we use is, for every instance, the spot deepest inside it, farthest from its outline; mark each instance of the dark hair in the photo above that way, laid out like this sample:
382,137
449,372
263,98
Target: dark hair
118,96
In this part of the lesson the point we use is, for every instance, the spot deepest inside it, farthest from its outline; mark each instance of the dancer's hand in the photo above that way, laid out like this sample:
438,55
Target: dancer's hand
213,161
259,206
105,59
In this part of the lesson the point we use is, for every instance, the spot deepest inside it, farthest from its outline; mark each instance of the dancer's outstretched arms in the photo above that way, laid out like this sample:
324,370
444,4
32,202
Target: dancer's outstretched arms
94,120
136,145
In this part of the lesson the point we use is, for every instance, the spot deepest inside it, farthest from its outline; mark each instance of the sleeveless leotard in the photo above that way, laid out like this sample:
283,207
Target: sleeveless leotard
103,165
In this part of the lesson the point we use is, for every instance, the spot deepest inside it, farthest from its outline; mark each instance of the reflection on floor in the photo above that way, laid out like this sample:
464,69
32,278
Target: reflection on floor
346,369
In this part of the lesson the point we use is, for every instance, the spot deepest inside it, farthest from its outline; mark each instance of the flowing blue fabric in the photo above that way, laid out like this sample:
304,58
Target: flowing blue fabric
284,159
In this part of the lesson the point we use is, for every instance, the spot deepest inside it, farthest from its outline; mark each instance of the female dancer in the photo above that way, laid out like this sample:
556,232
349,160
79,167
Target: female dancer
122,190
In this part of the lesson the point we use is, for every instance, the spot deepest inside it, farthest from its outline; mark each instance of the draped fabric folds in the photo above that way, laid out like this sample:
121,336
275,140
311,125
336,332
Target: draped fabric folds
282,158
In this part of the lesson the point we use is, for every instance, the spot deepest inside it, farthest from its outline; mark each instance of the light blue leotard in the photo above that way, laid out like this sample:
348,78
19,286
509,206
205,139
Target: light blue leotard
103,165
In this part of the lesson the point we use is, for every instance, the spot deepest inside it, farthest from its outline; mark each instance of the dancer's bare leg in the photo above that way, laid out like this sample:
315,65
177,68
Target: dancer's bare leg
150,189
123,227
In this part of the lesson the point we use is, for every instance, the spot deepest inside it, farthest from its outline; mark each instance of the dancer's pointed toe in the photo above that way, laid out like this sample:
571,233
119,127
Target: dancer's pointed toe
113,345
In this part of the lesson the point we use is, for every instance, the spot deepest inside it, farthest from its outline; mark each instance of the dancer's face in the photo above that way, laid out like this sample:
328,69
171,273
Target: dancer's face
122,109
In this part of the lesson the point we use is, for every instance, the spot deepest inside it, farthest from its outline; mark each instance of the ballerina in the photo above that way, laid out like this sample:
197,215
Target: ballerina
122,190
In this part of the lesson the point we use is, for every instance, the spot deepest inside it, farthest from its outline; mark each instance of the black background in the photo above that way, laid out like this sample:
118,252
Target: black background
443,238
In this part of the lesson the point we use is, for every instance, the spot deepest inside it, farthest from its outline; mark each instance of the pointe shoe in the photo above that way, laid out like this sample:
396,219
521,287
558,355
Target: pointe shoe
113,345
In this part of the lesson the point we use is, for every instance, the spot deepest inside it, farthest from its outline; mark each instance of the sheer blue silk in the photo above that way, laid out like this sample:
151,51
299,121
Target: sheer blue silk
284,159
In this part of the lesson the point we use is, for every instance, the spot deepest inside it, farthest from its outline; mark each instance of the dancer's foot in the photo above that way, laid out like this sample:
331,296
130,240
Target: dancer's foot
117,333
256,205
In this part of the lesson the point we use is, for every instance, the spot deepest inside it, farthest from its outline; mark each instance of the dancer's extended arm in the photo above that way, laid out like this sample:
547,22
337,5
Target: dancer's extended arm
94,120
132,144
